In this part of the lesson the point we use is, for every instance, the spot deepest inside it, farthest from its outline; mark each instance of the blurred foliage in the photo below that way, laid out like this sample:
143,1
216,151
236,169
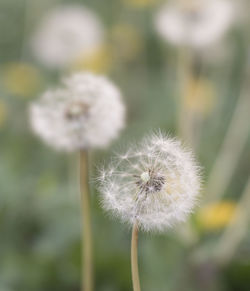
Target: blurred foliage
216,216
21,79
40,213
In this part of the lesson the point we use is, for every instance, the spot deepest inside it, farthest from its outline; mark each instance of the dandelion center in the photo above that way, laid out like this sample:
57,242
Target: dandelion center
192,13
76,110
150,181
192,16
145,176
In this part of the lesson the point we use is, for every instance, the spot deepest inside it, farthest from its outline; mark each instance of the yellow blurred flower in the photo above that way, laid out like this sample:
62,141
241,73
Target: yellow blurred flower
140,3
200,96
127,41
3,113
216,216
21,79
96,61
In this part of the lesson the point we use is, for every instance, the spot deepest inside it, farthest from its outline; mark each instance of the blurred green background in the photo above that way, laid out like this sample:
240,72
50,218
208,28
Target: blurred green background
40,215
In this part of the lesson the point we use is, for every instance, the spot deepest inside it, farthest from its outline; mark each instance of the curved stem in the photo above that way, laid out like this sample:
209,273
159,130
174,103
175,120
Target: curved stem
87,257
134,258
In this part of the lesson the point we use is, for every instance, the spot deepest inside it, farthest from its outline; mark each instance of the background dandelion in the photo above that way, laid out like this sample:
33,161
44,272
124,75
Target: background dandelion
87,112
194,28
66,33
84,114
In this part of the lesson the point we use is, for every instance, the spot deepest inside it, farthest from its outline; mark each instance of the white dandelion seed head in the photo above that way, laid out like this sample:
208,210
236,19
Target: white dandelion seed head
156,184
64,34
195,23
86,113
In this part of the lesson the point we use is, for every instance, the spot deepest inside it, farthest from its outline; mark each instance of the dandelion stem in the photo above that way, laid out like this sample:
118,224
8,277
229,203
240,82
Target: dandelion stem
87,257
134,258
186,77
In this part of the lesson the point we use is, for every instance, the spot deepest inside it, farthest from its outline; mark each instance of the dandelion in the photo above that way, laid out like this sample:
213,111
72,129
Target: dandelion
66,33
151,187
155,184
87,112
195,27
195,23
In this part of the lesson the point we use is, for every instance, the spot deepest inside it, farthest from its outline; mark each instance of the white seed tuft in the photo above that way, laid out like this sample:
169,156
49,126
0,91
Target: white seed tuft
65,34
195,23
86,113
157,188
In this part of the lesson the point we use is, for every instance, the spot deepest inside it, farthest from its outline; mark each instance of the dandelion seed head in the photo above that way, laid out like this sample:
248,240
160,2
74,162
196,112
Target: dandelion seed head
65,33
196,23
86,113
157,188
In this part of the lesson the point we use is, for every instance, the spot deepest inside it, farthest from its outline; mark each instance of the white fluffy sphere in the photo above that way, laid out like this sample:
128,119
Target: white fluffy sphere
194,23
66,33
86,113
155,185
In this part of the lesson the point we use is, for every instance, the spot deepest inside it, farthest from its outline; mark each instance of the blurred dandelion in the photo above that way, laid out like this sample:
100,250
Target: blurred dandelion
195,23
86,113
151,187
66,33
21,79
195,27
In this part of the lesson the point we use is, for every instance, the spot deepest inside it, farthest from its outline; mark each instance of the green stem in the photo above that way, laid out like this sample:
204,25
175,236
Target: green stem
87,256
189,78
134,258
185,115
